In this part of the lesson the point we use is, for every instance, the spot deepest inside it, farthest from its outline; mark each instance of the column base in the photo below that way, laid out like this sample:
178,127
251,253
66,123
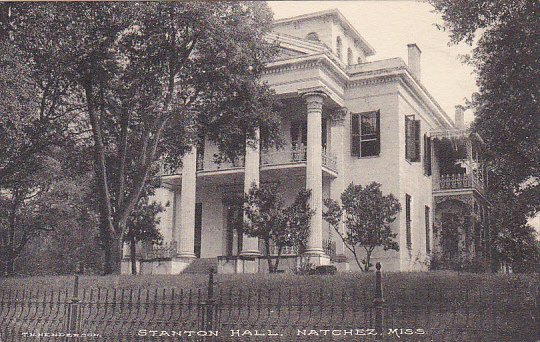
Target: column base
186,255
315,259
341,262
238,264
250,254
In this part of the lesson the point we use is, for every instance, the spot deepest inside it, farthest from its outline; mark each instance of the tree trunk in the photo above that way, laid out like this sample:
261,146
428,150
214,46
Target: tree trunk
368,259
277,259
100,167
267,246
133,249
107,254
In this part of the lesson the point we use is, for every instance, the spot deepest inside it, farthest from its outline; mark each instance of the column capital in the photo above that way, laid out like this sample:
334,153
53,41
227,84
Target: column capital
314,96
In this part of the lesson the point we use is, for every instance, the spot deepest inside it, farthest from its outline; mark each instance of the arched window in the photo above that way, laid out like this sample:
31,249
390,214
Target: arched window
338,47
313,36
359,60
349,57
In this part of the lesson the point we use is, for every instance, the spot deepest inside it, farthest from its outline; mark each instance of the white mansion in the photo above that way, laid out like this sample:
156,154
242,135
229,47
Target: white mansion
390,130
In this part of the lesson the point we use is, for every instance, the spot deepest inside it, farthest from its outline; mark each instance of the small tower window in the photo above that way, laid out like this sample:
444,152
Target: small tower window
350,60
338,47
313,36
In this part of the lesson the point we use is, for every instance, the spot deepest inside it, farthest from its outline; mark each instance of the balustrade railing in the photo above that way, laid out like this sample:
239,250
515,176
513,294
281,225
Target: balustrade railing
461,181
296,154
166,250
329,247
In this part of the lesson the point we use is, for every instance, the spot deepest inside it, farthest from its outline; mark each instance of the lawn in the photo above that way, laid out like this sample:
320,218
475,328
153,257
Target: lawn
448,306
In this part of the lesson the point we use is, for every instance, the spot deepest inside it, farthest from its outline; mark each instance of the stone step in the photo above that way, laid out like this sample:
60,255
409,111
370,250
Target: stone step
201,266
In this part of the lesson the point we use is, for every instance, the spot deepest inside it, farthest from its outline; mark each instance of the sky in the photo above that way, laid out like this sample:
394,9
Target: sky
389,26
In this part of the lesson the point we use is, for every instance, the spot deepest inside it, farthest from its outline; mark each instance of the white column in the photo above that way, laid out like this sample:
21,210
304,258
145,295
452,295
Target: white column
186,233
337,186
314,102
250,245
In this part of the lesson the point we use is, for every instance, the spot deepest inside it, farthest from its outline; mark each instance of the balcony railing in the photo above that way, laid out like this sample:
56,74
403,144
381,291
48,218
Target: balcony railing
166,250
329,248
297,154
461,181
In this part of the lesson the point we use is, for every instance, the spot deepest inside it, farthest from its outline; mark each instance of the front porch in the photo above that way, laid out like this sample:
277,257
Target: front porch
163,259
204,218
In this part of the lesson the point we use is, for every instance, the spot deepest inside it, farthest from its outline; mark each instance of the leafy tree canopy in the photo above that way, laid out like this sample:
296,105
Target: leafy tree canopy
150,79
366,214
270,220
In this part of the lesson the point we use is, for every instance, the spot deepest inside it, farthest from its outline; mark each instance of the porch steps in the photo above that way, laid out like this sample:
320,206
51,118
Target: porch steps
201,266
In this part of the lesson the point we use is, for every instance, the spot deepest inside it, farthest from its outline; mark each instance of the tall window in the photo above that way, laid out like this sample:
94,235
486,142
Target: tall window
350,60
412,139
408,222
365,134
299,133
427,221
338,47
427,155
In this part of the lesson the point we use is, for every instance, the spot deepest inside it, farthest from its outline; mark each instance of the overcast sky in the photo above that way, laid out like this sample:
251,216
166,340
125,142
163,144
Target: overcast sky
389,26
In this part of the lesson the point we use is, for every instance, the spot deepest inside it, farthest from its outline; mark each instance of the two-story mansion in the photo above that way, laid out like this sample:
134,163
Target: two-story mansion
388,129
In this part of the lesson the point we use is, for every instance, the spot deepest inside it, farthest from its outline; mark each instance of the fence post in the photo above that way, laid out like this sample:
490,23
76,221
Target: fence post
378,302
209,323
73,309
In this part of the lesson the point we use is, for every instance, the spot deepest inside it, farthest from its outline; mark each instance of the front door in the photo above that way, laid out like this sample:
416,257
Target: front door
234,229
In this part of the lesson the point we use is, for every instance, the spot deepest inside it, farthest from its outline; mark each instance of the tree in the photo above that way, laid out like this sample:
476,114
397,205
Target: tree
366,214
506,106
143,226
270,220
45,200
152,78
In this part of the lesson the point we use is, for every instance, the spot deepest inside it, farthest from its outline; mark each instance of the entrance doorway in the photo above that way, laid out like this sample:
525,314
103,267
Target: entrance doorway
234,228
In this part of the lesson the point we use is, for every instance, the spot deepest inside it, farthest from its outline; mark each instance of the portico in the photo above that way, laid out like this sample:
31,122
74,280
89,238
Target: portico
309,165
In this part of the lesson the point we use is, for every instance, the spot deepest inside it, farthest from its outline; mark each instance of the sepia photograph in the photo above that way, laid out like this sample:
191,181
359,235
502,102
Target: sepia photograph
270,170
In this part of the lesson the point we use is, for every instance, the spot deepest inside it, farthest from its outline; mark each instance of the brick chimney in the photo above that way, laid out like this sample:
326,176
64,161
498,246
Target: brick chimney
459,119
414,60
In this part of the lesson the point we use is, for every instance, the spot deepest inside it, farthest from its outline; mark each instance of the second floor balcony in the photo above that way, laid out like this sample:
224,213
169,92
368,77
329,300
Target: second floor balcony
473,180
293,156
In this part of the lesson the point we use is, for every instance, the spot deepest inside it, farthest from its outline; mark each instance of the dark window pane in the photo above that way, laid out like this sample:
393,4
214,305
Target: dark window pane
369,123
370,148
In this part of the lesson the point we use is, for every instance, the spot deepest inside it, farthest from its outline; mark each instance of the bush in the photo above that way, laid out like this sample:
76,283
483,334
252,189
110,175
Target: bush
460,264
304,268
326,269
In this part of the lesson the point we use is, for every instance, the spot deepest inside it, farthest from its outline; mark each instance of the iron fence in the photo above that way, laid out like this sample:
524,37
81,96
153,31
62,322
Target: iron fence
221,314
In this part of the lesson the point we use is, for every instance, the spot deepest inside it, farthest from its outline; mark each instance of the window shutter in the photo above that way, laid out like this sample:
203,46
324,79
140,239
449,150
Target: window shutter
409,137
416,141
408,228
355,135
378,132
427,155
427,215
